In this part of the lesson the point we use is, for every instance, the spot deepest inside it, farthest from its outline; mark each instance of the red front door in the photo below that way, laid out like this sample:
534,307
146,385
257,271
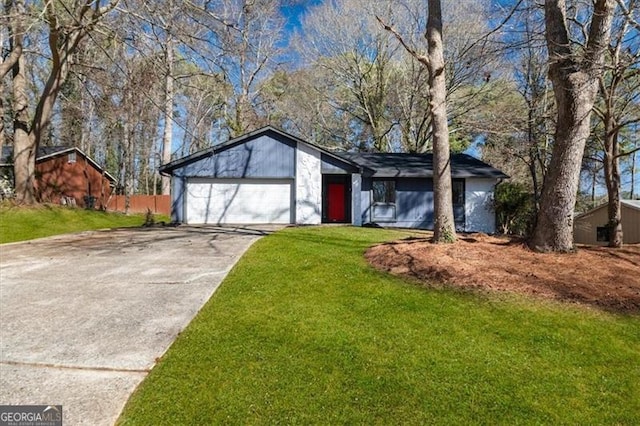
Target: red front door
336,210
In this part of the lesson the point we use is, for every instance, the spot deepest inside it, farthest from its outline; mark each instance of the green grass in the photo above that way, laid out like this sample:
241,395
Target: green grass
302,331
26,223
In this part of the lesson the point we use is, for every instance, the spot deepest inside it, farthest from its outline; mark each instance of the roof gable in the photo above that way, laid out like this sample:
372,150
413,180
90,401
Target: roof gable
371,164
264,131
632,204
47,152
43,152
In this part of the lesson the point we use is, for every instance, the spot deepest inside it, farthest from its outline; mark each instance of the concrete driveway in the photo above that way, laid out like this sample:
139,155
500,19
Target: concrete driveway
84,317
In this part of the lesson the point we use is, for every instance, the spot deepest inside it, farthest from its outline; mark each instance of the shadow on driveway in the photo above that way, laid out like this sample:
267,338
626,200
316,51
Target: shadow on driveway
85,316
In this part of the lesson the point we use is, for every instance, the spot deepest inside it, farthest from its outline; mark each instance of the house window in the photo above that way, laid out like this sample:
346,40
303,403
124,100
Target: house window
457,190
602,233
458,199
71,157
384,191
384,201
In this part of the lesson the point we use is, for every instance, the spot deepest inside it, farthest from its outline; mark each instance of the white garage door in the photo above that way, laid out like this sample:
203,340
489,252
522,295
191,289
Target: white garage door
239,201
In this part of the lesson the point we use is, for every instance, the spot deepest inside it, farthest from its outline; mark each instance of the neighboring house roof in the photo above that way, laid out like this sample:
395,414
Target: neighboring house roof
421,165
47,152
181,162
633,204
373,164
43,152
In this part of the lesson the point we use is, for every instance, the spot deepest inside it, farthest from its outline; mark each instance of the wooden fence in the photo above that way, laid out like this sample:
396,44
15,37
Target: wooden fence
160,204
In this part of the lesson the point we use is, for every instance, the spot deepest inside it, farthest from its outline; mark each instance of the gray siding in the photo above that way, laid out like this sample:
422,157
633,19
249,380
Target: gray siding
267,156
414,202
178,197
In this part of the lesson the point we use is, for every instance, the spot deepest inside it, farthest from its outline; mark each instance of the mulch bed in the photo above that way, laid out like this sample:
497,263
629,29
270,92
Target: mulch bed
598,276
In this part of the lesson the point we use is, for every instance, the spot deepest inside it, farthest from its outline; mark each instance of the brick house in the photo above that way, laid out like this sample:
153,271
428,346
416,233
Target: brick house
65,176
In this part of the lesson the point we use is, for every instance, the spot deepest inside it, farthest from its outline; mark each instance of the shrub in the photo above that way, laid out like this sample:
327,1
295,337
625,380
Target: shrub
514,207
6,188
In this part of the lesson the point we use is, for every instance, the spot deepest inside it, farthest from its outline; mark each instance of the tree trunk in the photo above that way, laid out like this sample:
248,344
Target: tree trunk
2,94
2,135
24,152
575,85
167,137
594,176
24,145
63,42
125,171
14,11
633,176
575,95
443,224
612,178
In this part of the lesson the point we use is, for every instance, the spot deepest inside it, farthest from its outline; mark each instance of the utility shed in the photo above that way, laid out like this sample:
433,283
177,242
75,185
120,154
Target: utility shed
591,227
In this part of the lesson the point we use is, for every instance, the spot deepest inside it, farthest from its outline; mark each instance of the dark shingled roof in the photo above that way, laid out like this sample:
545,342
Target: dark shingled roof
181,162
43,151
419,165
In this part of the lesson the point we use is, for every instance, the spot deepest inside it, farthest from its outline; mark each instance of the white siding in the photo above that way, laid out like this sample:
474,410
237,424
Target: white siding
479,213
308,185
356,201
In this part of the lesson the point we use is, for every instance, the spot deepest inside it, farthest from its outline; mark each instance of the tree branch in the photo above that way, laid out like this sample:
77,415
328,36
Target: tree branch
557,31
421,58
626,153
628,15
599,33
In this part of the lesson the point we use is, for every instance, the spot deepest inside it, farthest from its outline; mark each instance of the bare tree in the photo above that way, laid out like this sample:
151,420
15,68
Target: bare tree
520,110
10,32
23,173
620,93
444,226
248,32
203,98
344,39
169,92
574,74
303,102
67,25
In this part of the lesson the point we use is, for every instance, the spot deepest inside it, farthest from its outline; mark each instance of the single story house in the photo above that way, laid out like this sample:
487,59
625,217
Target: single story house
270,176
591,227
65,175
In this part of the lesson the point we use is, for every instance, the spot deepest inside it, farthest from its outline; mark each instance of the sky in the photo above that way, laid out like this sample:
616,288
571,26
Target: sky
294,11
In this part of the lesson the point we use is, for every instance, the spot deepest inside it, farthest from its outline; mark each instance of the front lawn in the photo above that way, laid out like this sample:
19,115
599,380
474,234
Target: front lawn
303,331
27,223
